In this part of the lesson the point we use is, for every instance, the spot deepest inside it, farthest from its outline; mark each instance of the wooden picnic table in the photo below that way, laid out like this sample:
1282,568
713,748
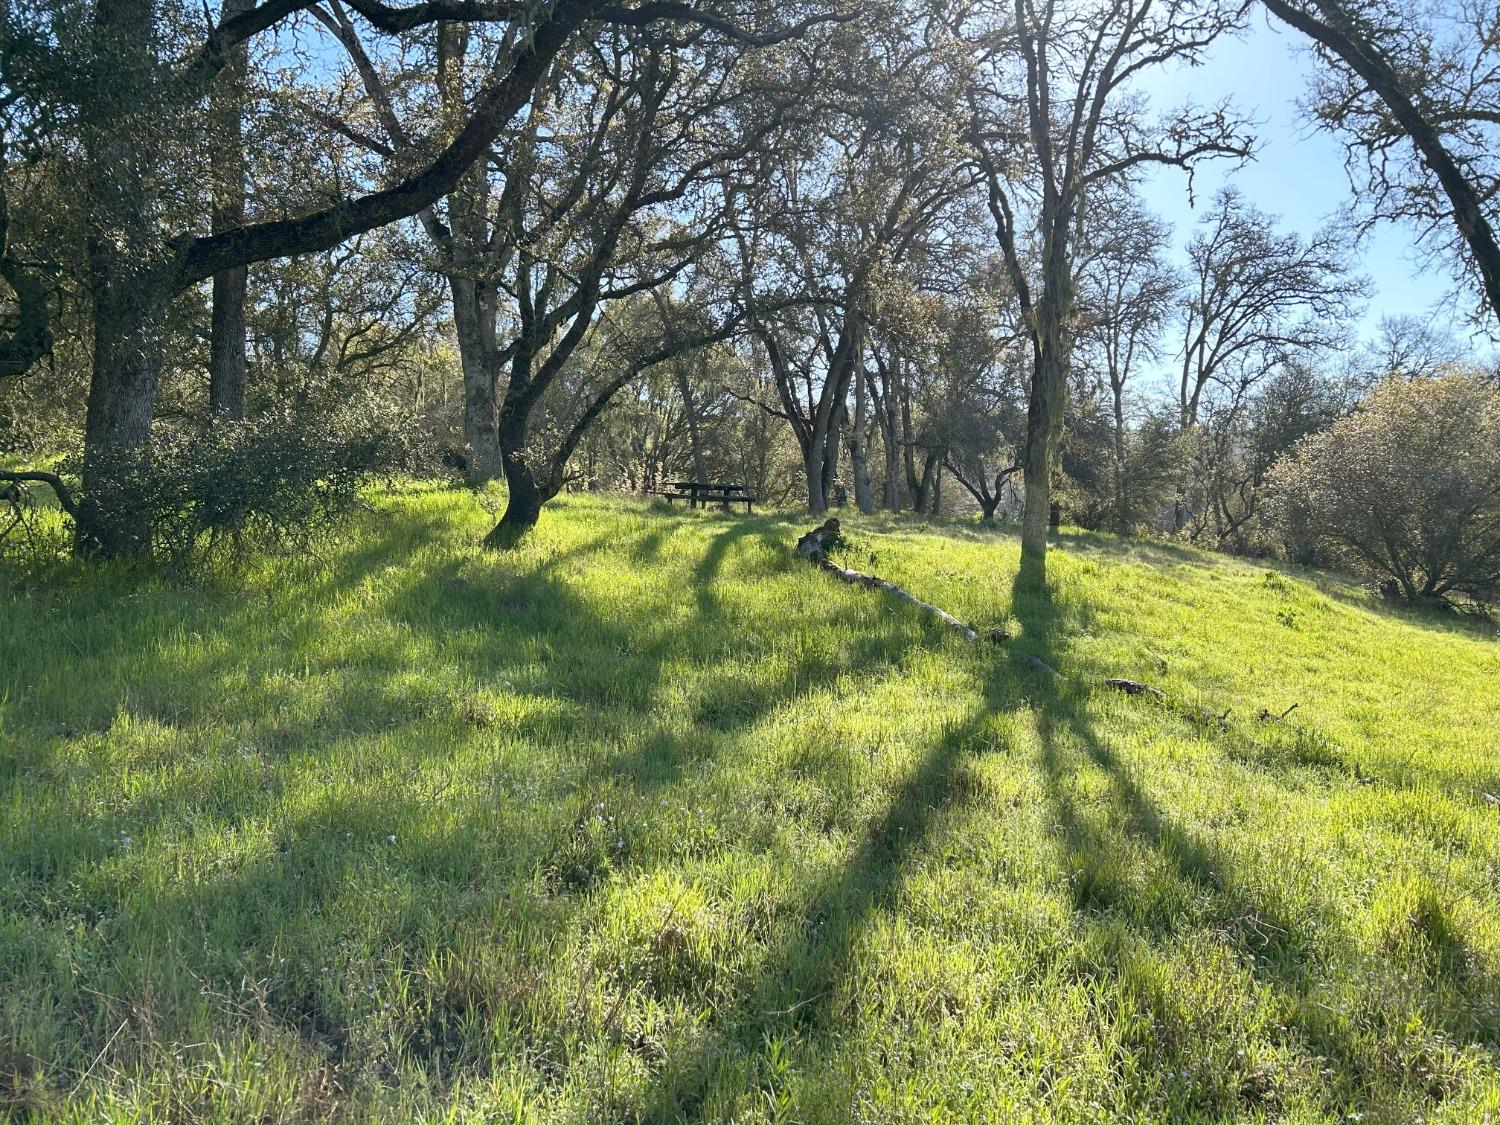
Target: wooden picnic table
698,492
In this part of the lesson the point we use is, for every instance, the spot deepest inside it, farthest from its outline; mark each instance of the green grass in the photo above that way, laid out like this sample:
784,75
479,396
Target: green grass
652,821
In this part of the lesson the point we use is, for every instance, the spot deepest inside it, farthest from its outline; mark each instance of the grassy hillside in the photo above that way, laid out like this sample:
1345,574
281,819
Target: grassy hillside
651,821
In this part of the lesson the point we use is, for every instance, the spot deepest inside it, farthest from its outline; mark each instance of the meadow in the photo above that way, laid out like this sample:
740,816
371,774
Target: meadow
652,821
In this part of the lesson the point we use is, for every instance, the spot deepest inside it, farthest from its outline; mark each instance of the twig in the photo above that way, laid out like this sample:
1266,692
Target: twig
102,1049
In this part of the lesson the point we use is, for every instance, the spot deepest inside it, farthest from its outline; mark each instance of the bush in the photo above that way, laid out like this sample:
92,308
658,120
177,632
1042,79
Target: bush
280,479
1125,496
1405,490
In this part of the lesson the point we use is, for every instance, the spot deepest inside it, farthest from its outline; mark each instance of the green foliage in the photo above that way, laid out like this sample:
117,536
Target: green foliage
1407,489
1125,494
280,479
651,821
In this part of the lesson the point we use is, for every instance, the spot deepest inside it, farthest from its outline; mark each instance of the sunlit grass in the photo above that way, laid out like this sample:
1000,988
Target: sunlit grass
653,821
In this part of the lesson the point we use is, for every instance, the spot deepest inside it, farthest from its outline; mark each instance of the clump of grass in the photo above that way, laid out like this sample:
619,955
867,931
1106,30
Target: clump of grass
651,821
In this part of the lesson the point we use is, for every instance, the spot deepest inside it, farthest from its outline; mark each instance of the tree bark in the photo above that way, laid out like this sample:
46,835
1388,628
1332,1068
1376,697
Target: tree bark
228,364
125,295
864,497
1043,433
526,493
690,411
473,323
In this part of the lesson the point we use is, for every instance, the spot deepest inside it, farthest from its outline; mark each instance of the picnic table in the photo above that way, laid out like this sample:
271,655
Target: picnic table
696,493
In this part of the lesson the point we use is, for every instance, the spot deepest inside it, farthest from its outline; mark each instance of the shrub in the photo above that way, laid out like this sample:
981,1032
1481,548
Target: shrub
282,478
1405,490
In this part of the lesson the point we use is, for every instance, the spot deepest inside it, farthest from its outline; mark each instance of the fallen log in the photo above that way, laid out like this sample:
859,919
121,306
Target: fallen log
1134,687
815,545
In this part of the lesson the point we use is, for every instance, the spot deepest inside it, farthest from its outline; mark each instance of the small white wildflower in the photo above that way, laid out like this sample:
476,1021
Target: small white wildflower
391,839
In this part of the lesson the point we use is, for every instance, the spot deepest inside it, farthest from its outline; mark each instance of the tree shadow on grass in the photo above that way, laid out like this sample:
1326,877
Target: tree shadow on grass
1139,877
799,993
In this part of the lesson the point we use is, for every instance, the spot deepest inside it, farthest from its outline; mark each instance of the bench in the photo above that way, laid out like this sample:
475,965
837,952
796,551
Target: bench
696,493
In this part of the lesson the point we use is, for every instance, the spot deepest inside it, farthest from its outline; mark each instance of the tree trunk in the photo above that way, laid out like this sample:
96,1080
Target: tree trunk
690,410
885,415
112,523
812,465
864,497
915,487
1043,431
1044,409
1122,516
832,440
125,299
473,322
525,492
228,365
892,496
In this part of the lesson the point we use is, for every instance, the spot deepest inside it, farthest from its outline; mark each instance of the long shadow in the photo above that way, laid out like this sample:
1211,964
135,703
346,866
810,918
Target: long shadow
1278,950
707,571
796,993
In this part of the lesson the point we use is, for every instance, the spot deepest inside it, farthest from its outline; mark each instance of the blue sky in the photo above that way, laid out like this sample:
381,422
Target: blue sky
1298,172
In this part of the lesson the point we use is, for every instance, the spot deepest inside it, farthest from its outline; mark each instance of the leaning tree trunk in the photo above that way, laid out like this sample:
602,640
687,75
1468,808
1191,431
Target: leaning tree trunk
526,492
228,364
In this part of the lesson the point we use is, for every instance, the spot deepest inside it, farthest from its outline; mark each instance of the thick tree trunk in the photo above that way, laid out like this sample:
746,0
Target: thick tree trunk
526,493
473,323
228,365
812,465
523,506
111,522
1043,432
125,296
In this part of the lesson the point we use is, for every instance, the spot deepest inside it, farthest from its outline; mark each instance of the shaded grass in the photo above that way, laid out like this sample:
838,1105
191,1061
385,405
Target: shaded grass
649,821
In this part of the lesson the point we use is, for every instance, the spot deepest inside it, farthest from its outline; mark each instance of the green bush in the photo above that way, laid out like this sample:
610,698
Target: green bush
280,479
1406,490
